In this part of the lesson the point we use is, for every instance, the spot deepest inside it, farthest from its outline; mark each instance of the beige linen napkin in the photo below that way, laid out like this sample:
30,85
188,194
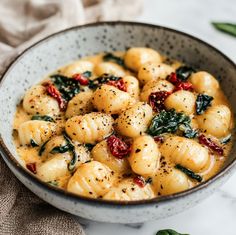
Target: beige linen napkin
23,22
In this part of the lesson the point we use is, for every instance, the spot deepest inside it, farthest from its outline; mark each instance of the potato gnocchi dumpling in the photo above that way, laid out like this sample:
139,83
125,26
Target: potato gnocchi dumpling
37,101
89,128
181,101
186,152
204,82
128,190
101,153
134,121
77,67
35,131
153,71
80,104
215,121
145,156
109,99
137,56
124,126
109,68
92,179
155,86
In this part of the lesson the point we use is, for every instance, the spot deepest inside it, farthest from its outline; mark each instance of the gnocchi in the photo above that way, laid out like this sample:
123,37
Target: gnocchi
126,126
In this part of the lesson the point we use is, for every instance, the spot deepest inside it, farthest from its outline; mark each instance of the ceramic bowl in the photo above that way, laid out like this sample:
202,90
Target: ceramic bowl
63,47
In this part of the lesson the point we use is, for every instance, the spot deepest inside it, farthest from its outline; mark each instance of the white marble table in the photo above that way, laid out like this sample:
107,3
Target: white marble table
217,214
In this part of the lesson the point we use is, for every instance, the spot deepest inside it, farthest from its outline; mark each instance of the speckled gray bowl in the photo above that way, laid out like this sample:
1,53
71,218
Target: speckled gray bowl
71,44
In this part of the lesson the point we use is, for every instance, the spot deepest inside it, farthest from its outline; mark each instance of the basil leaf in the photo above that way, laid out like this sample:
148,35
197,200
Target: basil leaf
113,58
169,122
189,173
93,84
225,27
43,118
33,143
53,183
226,139
67,86
61,149
202,103
169,232
184,72
41,150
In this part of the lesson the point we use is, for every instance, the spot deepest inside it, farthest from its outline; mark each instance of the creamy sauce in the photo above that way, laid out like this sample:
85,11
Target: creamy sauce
31,154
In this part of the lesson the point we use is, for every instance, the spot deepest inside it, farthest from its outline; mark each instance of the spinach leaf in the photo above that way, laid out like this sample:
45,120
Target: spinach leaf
61,149
33,143
169,122
74,159
89,146
189,173
202,103
226,139
225,27
184,72
43,118
169,232
67,86
87,74
113,58
43,147
93,84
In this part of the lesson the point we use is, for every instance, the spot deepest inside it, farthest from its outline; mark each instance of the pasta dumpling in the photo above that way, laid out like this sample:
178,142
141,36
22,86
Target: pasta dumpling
132,85
150,71
36,101
204,82
80,104
185,152
135,57
102,154
110,99
135,120
36,131
92,179
89,128
109,68
181,101
155,86
77,67
216,121
172,181
145,156
129,191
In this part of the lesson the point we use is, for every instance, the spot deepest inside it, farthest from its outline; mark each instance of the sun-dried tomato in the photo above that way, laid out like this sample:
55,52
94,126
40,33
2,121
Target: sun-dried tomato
139,181
118,148
184,86
120,84
156,100
159,139
31,167
53,92
210,144
81,79
179,85
173,79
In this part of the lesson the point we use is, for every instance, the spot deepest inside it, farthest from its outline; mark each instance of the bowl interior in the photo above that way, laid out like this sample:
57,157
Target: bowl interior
72,44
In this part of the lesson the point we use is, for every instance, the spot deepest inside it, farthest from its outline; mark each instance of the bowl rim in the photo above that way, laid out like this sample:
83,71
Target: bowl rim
101,202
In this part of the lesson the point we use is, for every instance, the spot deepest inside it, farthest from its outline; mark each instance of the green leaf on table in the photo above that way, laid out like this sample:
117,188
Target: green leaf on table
228,28
169,232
